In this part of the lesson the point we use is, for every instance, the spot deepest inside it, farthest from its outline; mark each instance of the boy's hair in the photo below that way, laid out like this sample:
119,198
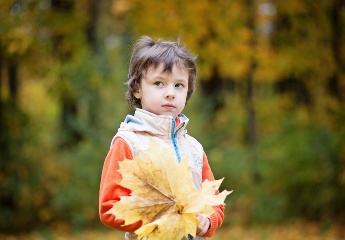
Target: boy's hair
149,53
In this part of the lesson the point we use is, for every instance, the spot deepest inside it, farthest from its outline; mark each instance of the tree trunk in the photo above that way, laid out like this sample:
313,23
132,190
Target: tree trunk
337,90
13,81
251,128
69,126
68,101
91,28
91,34
11,124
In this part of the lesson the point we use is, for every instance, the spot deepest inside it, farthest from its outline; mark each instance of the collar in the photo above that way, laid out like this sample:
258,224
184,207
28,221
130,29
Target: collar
144,121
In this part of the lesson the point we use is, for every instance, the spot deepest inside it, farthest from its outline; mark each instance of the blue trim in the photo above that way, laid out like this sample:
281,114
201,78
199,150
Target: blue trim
133,119
174,140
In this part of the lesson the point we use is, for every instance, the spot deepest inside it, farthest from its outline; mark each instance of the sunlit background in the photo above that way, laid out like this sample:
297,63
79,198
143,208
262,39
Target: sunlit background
269,110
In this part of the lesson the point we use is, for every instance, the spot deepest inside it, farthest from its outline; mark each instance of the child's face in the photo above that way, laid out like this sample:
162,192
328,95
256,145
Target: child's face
164,93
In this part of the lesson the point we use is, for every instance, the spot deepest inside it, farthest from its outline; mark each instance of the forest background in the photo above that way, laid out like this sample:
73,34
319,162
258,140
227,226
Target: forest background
269,105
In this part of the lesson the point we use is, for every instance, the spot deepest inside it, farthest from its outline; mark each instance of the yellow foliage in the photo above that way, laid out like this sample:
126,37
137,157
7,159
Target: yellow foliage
17,41
163,196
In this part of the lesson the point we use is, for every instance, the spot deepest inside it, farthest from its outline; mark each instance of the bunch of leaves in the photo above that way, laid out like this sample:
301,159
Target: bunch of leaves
163,195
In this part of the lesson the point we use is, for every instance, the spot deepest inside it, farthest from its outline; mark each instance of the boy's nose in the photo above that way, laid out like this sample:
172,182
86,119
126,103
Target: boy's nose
170,92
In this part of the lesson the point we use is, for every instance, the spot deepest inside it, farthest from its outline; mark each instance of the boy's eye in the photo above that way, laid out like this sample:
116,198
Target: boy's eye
159,84
179,85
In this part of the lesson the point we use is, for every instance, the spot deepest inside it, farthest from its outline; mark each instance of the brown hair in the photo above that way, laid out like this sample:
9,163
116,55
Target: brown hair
147,53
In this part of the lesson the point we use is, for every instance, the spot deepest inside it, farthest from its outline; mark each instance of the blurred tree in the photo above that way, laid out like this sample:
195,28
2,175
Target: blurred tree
309,42
260,51
14,44
64,26
49,49
73,29
272,93
92,41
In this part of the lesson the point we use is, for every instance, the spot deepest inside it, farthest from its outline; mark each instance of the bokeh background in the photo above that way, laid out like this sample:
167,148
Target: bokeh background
269,109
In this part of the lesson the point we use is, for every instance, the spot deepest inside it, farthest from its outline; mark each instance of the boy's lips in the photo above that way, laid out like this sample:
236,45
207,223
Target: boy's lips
168,106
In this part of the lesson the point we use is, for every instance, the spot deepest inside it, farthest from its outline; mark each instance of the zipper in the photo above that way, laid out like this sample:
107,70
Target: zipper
174,140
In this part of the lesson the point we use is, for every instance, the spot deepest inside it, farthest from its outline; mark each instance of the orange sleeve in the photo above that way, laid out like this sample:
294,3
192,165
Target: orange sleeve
216,219
110,191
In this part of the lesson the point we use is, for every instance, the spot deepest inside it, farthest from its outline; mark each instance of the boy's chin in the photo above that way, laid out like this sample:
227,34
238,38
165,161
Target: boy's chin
173,115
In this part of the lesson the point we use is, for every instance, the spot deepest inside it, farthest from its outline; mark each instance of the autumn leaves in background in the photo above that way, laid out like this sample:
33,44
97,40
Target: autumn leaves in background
163,195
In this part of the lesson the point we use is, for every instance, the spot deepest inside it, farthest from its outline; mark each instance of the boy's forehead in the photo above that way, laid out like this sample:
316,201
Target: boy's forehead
153,71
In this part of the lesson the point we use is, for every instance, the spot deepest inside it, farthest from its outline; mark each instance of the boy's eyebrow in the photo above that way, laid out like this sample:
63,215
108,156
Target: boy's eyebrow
182,79
156,77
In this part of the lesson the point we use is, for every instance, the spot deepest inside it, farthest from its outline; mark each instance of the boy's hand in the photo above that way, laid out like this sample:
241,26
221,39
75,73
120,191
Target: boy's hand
131,236
204,225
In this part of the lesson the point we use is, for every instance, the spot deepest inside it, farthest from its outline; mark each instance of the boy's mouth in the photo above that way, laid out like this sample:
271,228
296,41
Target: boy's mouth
168,106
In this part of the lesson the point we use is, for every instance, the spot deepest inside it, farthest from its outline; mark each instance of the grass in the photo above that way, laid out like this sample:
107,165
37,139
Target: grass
288,231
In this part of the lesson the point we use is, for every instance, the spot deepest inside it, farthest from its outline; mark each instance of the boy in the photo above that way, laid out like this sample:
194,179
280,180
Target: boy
161,80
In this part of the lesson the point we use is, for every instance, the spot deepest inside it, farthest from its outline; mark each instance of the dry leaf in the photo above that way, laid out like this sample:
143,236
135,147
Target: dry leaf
163,196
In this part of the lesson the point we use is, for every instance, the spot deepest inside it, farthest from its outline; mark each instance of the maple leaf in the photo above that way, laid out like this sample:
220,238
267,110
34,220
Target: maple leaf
163,195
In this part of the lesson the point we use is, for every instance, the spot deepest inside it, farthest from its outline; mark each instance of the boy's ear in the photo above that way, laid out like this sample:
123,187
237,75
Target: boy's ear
137,94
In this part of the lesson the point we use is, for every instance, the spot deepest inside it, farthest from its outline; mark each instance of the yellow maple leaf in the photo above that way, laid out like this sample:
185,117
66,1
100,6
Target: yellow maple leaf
163,195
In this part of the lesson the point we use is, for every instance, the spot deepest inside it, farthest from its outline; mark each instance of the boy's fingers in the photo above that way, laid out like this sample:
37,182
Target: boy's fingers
203,225
131,236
